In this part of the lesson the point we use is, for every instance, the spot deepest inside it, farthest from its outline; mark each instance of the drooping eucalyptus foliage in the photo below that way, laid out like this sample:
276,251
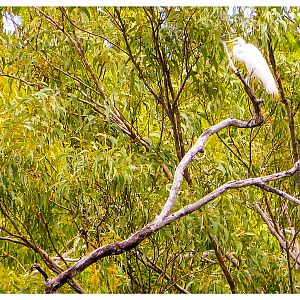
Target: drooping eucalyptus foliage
97,108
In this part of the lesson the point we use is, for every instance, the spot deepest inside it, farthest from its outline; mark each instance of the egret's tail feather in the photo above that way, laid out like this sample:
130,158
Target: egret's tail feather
271,88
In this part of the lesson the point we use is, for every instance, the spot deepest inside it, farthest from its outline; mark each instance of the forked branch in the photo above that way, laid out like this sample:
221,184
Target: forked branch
165,217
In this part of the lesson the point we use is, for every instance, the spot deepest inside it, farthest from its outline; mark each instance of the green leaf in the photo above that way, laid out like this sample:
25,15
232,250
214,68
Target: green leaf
85,12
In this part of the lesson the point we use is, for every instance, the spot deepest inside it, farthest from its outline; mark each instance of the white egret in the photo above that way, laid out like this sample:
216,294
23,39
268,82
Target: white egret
255,63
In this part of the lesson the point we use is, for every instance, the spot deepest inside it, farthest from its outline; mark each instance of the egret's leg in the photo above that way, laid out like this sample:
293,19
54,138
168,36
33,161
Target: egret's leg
247,79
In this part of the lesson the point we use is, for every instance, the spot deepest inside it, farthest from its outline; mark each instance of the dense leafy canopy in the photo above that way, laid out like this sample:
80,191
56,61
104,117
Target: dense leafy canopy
98,106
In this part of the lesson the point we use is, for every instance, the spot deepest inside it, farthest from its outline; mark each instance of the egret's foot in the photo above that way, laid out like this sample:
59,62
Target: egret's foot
260,101
247,80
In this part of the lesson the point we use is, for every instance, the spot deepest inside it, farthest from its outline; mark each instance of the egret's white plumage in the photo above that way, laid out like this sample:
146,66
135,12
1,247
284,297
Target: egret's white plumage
255,64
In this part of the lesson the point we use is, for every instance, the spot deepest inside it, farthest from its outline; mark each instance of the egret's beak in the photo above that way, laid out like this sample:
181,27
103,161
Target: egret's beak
229,42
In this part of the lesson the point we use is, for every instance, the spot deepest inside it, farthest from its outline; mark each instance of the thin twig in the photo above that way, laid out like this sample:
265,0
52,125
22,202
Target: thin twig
283,242
21,79
38,268
9,239
93,34
278,192
157,269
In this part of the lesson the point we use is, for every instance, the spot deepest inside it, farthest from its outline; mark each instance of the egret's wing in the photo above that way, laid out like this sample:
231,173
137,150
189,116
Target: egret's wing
257,66
254,60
